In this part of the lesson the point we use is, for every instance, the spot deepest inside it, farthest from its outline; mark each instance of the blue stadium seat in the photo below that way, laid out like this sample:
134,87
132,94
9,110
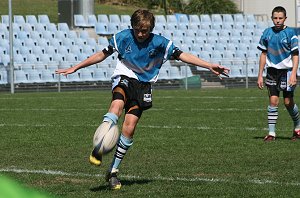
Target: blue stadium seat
51,50
5,59
84,34
72,34
100,74
63,27
185,71
19,19
112,28
23,35
51,27
27,27
114,18
3,77
61,34
102,41
5,19
103,18
31,19
92,20
39,27
160,19
21,77
48,76
124,26
182,18
238,18
194,18
174,73
36,35
227,18
79,21
43,18
34,76
205,18
86,74
125,18
101,29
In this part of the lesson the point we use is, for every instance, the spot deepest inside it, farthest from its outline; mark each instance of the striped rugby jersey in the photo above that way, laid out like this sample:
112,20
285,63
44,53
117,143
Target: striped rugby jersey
141,61
280,46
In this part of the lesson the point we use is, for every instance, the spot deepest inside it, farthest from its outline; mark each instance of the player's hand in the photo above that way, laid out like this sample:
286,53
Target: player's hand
292,81
260,82
220,70
65,71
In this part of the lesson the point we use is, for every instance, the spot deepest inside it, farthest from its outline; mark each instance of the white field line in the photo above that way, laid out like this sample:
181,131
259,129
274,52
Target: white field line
153,109
156,178
142,126
158,97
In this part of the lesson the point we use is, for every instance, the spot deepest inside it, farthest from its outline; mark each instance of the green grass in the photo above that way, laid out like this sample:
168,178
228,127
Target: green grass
196,143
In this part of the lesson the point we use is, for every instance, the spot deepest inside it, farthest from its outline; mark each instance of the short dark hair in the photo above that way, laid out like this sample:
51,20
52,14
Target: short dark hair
142,17
279,9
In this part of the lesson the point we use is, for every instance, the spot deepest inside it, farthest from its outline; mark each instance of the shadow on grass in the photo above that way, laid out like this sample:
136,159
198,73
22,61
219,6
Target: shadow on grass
124,183
277,138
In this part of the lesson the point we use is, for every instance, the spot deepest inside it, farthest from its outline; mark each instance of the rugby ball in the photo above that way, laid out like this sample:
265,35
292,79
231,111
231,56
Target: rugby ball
106,137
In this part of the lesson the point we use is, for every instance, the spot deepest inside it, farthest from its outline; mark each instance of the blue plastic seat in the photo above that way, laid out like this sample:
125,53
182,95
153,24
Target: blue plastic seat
48,76
79,21
92,20
3,77
31,19
194,18
5,19
63,27
125,18
19,19
160,19
103,18
114,18
102,41
43,18
86,74
101,29
21,77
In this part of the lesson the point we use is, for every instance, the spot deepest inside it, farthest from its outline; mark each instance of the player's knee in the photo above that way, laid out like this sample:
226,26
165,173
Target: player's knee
135,110
118,94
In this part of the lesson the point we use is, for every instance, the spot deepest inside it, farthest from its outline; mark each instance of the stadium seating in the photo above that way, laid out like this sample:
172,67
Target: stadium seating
79,21
43,44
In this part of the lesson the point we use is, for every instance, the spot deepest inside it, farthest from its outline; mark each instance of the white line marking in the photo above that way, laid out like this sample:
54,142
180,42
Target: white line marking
142,126
157,178
153,109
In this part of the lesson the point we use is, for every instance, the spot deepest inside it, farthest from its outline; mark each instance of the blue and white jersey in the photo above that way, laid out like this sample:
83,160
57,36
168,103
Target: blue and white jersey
141,61
279,46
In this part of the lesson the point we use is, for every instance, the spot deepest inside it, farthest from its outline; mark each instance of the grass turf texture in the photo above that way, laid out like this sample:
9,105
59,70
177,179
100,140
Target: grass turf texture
196,143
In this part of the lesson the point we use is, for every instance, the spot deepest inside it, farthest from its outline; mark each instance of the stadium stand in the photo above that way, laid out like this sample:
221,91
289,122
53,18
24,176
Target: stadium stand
41,46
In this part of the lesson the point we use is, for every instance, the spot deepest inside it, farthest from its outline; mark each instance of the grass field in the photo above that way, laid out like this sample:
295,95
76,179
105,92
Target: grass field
196,143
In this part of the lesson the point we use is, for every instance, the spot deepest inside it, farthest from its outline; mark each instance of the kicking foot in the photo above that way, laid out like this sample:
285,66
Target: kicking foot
269,138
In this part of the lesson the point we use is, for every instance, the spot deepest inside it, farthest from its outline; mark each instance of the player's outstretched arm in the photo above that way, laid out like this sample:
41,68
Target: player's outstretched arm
194,60
95,58
262,63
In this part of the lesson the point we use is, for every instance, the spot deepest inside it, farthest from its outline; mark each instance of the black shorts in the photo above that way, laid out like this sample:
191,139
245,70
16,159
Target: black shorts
137,93
277,81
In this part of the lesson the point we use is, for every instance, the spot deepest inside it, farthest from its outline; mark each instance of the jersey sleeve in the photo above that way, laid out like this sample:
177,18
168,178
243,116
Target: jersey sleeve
294,43
263,43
